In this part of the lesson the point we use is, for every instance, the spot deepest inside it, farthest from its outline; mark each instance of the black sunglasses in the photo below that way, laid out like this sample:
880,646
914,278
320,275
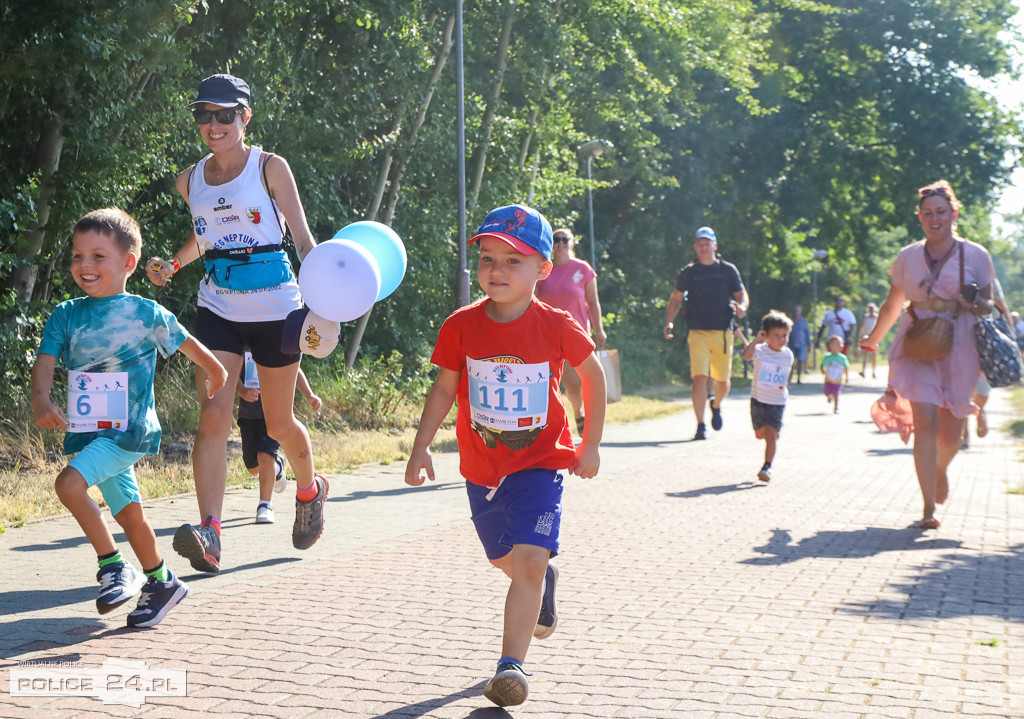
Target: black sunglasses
941,191
224,117
563,238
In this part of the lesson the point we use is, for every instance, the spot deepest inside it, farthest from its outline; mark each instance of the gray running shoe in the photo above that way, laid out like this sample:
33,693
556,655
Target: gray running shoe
119,582
309,516
509,686
157,599
200,546
765,475
548,619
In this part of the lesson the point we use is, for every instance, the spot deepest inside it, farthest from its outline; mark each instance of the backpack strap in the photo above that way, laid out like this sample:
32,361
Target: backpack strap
264,159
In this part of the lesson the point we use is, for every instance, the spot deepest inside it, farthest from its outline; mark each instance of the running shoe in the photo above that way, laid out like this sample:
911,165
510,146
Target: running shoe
280,481
157,599
264,514
200,546
716,418
509,686
702,432
119,582
309,516
548,619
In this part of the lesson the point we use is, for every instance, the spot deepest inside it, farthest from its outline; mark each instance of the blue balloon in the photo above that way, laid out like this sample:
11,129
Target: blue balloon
386,247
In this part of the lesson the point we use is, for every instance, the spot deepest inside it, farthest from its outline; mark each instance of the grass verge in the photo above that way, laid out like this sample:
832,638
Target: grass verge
30,463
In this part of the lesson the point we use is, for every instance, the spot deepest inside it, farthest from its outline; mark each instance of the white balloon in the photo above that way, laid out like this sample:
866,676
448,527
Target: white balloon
339,280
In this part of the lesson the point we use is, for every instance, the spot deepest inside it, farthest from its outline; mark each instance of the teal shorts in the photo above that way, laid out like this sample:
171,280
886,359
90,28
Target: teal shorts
105,465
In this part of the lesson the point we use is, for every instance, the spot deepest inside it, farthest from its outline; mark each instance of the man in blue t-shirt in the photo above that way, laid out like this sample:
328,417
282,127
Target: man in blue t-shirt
714,295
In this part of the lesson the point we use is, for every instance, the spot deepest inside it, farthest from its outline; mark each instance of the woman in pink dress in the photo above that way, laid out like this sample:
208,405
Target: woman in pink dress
928,274
572,286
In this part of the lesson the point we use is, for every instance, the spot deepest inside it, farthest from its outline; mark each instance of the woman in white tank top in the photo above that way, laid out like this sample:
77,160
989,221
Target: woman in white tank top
241,198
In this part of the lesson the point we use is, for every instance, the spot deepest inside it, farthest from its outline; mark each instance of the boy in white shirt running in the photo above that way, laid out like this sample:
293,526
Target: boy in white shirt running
769,390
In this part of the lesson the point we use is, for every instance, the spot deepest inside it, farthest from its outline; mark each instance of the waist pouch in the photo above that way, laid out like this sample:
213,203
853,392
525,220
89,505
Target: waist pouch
248,268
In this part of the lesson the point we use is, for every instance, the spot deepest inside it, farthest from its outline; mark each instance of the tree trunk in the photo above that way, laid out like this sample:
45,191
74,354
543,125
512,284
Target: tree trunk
486,126
442,59
389,213
51,142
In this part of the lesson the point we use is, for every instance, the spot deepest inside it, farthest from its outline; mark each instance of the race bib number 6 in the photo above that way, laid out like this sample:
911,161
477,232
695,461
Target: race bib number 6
506,396
97,400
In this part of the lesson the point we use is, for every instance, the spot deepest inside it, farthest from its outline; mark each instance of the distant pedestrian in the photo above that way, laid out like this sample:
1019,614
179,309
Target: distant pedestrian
868,324
799,342
769,388
714,295
501,358
836,367
838,321
260,452
108,341
572,286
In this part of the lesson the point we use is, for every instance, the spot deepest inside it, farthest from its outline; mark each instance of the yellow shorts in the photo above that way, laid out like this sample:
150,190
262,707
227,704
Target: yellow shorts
710,353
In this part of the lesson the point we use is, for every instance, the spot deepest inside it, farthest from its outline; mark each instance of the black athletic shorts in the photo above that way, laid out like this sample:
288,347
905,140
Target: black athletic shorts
262,339
255,440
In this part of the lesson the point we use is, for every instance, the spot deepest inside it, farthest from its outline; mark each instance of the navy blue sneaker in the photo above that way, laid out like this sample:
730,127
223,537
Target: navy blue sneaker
548,619
716,418
702,432
509,686
119,582
157,599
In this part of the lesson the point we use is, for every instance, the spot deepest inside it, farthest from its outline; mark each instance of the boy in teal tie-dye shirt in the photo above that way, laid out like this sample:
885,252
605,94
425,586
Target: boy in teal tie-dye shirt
108,343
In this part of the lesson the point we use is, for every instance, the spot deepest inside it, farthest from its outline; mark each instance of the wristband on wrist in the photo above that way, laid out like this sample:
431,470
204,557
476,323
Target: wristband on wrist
175,264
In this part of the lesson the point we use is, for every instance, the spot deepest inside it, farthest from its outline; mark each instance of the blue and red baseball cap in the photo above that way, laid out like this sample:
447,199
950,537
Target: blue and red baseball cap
521,227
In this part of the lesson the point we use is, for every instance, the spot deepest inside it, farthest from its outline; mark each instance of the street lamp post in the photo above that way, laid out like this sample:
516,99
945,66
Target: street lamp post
817,256
588,151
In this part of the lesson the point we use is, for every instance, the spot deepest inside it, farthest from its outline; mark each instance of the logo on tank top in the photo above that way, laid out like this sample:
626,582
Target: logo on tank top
228,220
220,204
200,224
253,213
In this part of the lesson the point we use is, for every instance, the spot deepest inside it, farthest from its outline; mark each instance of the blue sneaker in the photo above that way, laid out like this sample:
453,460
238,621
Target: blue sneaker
702,432
716,418
119,582
509,686
157,599
548,619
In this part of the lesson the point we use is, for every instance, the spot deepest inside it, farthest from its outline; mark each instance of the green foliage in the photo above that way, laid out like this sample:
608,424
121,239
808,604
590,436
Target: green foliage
378,393
788,125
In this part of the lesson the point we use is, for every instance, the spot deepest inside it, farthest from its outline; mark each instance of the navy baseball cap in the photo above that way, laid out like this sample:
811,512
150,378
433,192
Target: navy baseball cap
222,90
521,227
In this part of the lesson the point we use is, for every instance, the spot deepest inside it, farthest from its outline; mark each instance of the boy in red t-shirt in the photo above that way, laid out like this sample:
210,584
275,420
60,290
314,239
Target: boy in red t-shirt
501,358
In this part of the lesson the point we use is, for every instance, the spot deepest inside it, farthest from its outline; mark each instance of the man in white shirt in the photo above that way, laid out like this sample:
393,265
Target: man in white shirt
838,321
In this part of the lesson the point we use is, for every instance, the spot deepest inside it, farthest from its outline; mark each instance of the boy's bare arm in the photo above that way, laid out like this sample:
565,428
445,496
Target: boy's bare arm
46,414
435,409
216,375
595,398
302,382
749,347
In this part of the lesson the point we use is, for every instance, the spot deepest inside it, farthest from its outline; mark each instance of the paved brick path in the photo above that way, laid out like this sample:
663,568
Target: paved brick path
687,590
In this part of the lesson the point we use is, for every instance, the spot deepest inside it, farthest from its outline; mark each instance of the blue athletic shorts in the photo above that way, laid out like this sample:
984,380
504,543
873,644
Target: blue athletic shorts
112,469
799,353
525,509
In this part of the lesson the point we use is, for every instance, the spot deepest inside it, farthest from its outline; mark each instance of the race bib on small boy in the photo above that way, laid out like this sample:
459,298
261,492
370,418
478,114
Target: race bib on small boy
252,379
507,395
773,376
97,400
